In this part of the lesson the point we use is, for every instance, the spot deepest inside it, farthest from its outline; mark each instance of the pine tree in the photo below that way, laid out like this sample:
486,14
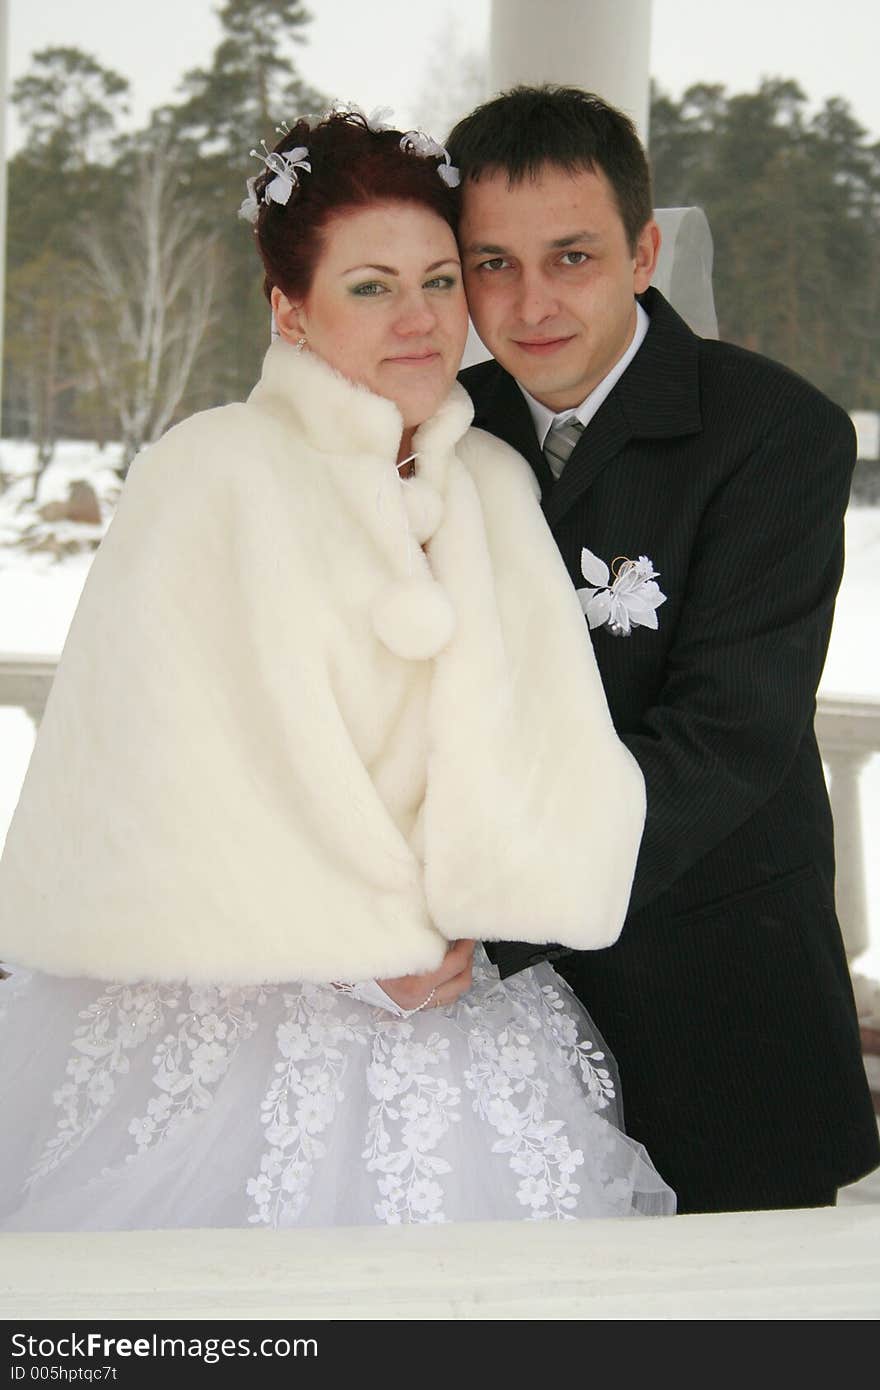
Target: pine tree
251,83
228,107
794,206
71,188
68,106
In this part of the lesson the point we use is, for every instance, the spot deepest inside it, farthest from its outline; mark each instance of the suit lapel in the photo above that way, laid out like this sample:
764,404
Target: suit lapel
601,441
658,397
502,411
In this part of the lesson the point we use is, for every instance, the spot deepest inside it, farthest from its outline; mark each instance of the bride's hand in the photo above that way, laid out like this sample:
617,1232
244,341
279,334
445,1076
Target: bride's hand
452,979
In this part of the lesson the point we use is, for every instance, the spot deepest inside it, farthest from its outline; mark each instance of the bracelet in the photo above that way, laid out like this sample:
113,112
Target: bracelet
424,1004
371,992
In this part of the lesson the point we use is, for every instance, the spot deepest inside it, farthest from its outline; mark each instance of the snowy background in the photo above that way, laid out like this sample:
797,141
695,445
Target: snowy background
39,592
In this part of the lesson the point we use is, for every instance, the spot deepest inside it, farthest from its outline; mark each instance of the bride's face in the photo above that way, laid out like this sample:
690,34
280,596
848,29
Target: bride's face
386,306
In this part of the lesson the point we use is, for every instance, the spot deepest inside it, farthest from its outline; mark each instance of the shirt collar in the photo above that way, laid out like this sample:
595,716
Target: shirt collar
544,419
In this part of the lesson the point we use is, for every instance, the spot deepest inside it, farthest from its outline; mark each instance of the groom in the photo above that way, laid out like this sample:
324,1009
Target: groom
727,1000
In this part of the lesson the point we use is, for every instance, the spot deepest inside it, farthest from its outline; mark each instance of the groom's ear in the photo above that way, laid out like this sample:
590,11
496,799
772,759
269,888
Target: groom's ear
645,257
288,316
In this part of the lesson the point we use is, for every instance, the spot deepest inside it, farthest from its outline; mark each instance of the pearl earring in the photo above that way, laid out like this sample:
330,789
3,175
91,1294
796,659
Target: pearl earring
300,344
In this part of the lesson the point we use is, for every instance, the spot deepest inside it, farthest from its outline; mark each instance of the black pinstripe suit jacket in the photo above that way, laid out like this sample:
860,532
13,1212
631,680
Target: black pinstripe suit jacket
727,999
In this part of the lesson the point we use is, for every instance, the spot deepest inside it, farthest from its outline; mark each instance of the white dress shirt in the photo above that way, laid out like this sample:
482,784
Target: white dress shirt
545,420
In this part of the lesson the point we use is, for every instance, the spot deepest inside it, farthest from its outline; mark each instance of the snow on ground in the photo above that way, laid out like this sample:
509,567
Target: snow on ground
39,594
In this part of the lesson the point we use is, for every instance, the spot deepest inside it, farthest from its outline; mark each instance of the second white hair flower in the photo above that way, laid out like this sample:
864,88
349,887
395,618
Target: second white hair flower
630,601
417,142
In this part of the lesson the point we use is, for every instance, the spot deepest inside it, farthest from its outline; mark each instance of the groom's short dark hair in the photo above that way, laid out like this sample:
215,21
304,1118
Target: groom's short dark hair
520,131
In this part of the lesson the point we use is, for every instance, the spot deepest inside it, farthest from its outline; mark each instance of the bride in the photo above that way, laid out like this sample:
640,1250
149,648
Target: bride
325,714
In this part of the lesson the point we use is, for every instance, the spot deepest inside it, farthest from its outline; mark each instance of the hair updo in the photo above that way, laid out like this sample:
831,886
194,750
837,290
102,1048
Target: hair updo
352,167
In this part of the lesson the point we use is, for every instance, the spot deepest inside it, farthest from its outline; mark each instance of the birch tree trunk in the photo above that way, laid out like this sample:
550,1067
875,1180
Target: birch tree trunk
151,281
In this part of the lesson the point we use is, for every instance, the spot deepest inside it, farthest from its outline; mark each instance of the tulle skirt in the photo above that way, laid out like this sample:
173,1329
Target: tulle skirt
156,1105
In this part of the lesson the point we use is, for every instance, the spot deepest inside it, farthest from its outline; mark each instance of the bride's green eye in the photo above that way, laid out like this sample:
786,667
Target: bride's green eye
441,282
369,289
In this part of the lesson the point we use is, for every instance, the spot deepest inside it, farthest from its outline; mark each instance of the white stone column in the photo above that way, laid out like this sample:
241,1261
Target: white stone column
601,45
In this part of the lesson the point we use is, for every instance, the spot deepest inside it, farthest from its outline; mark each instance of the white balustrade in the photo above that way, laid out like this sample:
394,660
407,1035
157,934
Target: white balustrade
25,682
848,730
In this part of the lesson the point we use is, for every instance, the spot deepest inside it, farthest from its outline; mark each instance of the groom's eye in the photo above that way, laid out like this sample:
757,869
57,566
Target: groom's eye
495,263
575,257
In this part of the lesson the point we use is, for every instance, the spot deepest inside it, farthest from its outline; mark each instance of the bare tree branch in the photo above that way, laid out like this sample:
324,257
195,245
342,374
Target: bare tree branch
152,281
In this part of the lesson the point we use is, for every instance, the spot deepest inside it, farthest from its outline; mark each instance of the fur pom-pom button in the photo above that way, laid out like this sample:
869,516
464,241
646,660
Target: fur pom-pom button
414,618
424,508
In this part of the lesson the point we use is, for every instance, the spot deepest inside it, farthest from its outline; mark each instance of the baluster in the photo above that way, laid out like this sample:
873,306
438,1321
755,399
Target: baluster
844,768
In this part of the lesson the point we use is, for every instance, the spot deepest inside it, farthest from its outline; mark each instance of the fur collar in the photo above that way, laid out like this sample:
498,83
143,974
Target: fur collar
336,416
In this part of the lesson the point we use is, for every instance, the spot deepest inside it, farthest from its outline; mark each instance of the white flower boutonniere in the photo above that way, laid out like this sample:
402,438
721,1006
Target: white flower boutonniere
630,601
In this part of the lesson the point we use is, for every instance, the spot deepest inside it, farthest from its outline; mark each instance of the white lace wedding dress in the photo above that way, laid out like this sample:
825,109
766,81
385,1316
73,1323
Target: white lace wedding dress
153,1105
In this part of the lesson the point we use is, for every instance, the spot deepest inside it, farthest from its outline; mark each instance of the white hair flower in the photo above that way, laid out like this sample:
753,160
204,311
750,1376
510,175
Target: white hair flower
379,119
250,208
417,142
284,168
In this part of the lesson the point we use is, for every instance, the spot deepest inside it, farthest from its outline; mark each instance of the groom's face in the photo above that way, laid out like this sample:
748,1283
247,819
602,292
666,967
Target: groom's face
551,278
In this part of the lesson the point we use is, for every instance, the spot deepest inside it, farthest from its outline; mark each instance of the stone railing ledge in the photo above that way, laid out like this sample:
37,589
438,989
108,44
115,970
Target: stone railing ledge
821,1264
25,681
851,722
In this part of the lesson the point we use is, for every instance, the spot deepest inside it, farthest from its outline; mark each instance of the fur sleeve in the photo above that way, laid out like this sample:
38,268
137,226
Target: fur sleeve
543,846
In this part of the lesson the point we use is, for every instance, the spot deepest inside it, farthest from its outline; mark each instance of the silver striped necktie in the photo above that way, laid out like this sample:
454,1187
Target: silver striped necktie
559,443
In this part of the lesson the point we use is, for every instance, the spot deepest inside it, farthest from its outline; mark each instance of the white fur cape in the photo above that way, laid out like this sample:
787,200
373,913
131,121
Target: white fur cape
285,741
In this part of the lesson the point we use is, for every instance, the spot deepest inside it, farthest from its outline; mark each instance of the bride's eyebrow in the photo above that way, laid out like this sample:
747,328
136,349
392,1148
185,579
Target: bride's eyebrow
389,270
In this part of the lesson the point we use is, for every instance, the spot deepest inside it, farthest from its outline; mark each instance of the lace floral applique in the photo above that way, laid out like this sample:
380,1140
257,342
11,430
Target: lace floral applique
301,1100
122,1018
574,1053
511,1098
420,1107
191,1062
